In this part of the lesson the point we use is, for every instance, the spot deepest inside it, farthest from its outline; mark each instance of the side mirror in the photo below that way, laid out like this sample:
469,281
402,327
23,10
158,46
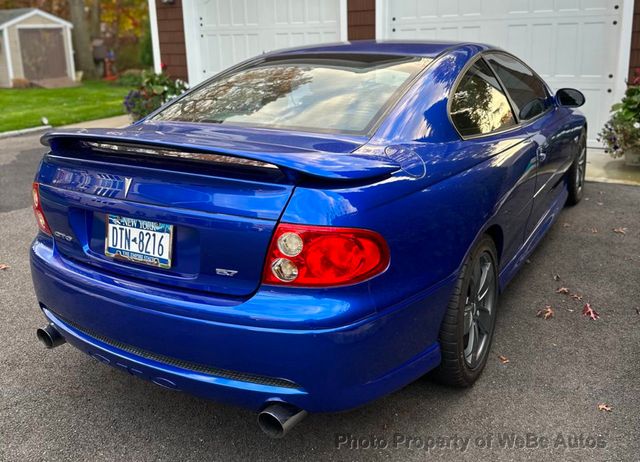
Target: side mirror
569,97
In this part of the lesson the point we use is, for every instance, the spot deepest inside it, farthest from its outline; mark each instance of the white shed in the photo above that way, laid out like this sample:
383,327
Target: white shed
35,47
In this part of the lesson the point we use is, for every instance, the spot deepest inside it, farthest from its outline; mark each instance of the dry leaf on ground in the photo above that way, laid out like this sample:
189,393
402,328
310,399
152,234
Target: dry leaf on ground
545,313
590,312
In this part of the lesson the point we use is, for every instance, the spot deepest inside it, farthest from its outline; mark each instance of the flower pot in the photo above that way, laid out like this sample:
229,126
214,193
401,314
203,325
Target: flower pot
632,157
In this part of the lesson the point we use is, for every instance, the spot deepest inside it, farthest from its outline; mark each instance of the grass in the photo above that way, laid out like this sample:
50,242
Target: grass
24,108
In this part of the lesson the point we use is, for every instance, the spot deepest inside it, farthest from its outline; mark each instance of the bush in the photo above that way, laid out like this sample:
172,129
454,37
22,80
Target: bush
146,48
153,92
128,56
130,78
622,132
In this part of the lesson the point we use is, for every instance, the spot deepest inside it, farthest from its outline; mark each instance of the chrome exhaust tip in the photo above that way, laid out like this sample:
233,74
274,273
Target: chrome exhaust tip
278,418
49,336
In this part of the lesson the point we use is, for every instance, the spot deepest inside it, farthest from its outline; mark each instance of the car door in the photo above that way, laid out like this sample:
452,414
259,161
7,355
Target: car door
483,116
539,116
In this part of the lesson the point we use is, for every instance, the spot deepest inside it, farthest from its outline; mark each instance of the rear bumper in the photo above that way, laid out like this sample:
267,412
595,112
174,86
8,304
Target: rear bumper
316,369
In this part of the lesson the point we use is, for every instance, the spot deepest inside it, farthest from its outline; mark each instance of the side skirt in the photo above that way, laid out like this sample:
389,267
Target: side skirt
511,268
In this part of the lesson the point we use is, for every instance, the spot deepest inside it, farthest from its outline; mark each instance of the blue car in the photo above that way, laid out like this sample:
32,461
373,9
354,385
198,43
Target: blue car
309,230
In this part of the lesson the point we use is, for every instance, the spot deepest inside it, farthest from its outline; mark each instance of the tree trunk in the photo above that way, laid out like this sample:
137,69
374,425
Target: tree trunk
95,19
81,38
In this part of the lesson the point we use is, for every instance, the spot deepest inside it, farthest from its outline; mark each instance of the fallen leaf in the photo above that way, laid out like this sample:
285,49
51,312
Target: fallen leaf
4,267
594,230
556,277
562,290
604,407
566,225
599,203
545,313
576,297
590,312
620,230
503,359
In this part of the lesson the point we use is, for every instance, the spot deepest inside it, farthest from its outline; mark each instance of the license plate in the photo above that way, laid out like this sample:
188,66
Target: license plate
139,241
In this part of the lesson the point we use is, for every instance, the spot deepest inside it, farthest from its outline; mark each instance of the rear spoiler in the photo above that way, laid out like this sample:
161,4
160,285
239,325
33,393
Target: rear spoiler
320,164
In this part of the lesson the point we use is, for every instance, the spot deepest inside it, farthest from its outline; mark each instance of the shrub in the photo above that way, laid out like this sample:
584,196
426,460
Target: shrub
153,92
622,132
130,78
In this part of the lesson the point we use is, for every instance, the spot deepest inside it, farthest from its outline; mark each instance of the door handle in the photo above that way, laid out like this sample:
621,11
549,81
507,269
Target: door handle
542,155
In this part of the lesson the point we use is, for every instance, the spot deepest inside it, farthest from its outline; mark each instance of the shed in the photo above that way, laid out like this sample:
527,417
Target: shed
35,47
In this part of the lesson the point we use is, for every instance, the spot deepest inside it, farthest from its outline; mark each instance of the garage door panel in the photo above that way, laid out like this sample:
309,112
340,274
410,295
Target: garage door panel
231,31
566,57
572,42
543,36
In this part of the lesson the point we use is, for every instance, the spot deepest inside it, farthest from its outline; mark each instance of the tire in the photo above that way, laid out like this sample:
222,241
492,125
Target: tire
577,172
459,367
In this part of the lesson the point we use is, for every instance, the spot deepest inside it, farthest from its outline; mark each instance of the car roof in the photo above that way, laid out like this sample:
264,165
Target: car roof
427,49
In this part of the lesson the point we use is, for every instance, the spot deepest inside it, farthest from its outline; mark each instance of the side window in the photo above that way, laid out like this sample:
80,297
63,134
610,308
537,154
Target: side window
479,105
527,91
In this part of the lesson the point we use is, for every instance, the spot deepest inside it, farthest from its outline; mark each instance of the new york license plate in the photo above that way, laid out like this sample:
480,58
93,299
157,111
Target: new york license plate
139,241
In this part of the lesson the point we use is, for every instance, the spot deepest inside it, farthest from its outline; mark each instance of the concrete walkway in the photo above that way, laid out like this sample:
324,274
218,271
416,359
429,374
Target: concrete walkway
602,168
110,122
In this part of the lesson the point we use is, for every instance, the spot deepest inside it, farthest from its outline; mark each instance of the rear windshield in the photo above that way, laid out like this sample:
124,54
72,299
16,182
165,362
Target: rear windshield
345,94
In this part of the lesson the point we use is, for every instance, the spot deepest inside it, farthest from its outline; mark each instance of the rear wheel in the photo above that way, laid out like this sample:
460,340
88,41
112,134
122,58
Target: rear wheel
467,328
577,172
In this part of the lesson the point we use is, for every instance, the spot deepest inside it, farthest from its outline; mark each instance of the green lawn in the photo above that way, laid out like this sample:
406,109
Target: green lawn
24,108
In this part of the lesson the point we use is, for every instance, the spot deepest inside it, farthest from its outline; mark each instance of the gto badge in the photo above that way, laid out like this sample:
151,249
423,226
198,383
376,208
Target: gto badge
60,235
226,272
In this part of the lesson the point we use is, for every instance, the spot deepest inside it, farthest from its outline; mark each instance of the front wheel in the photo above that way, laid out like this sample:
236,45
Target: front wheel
467,328
577,172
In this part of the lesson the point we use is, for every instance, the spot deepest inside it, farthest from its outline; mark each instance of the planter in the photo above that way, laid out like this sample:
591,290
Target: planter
632,157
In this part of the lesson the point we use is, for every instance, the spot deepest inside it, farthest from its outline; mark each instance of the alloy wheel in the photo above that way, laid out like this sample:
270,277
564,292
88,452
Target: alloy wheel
479,310
582,168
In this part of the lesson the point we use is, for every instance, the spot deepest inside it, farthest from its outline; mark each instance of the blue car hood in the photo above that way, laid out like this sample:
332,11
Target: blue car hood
324,156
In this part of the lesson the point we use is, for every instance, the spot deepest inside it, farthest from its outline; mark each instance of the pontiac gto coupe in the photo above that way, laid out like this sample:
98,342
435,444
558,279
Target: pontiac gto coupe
310,229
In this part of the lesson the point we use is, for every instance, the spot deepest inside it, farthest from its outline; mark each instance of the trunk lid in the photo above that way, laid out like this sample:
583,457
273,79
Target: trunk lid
221,190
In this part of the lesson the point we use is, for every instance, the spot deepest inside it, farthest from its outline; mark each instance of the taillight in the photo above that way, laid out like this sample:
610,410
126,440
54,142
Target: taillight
321,256
37,210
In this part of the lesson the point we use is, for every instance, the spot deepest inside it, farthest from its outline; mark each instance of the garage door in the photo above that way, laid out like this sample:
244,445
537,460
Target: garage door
229,31
570,43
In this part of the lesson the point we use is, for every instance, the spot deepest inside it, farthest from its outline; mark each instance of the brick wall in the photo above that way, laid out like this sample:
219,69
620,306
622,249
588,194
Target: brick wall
361,19
171,33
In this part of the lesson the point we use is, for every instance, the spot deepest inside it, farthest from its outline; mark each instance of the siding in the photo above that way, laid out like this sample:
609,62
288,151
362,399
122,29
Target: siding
361,19
4,71
16,56
171,34
634,61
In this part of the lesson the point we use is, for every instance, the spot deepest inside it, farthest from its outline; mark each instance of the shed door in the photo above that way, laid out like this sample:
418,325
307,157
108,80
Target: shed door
570,43
230,31
43,53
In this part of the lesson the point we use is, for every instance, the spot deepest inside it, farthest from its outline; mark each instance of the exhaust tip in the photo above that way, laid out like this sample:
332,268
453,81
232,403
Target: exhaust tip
277,419
49,336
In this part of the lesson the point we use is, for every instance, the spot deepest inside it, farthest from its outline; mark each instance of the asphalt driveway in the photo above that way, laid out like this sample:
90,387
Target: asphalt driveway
541,404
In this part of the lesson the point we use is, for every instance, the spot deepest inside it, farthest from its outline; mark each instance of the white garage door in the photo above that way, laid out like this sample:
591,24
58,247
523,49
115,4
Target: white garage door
570,43
220,33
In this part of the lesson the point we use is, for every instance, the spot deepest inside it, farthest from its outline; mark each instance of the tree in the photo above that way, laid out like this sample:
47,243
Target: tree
81,38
